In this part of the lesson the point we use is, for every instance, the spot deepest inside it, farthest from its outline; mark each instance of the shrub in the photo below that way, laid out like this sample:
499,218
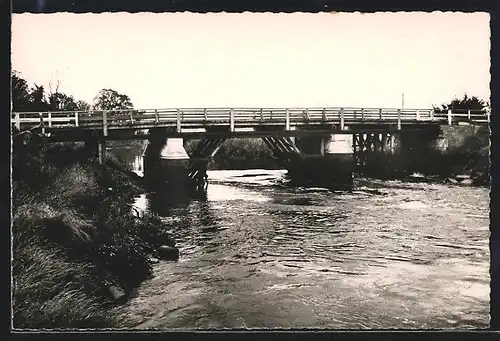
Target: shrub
74,185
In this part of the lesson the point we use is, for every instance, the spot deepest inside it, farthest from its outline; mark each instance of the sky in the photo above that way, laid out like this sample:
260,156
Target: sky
258,59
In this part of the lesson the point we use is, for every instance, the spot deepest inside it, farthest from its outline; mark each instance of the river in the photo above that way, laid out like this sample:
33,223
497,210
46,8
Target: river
259,254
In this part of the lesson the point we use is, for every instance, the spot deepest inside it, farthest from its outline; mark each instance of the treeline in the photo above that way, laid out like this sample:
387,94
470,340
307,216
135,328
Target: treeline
36,98
465,103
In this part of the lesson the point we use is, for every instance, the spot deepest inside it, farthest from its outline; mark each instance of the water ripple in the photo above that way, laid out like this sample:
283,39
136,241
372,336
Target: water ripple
387,255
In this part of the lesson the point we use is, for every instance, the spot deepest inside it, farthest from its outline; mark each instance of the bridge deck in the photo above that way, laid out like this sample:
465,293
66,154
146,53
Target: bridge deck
241,121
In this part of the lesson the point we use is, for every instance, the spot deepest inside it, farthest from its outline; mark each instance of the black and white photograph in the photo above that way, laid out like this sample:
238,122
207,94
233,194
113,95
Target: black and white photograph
188,171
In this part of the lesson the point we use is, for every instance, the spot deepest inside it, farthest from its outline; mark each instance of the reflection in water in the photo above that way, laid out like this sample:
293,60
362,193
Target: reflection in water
164,203
257,254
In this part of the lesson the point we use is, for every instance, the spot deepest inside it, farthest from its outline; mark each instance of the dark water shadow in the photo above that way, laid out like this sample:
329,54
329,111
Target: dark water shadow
250,175
164,201
311,186
193,213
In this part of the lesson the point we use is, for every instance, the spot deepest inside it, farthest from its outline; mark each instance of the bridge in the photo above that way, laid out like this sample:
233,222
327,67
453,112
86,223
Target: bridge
308,142
232,122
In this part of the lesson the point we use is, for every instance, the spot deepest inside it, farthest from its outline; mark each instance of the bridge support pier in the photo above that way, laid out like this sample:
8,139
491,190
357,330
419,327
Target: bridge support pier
339,155
327,161
285,150
378,154
197,173
95,148
101,150
165,162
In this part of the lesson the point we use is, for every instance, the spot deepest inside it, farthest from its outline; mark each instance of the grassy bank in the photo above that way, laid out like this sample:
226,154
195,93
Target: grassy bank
78,249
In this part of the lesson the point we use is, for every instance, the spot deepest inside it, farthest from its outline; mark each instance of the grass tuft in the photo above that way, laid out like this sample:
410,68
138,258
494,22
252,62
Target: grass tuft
51,291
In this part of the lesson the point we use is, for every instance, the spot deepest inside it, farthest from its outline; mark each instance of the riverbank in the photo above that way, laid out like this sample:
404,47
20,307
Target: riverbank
78,248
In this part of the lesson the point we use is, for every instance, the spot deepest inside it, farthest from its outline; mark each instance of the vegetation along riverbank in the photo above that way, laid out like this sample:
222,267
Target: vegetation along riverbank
78,247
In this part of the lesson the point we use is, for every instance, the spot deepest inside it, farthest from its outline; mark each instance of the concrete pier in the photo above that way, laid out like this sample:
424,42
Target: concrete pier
339,157
327,161
174,162
166,162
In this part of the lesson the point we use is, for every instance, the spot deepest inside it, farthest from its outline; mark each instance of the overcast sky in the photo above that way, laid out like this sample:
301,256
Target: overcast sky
208,60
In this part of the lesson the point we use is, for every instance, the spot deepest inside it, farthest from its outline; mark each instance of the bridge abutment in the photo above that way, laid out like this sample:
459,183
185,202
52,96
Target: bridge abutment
397,154
423,151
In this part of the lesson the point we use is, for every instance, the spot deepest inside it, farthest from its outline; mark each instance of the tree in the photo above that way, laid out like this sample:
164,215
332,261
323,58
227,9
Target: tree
20,93
83,106
116,104
109,99
37,99
465,103
59,101
62,102
25,98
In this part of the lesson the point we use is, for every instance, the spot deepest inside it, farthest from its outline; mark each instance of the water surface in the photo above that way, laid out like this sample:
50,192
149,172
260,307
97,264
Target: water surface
257,254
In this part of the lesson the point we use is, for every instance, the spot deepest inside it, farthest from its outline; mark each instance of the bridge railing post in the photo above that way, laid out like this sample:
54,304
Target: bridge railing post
399,119
417,115
341,118
488,115
287,118
157,118
432,114
362,114
231,119
468,115
49,118
18,121
105,122
380,114
449,117
205,114
76,119
178,120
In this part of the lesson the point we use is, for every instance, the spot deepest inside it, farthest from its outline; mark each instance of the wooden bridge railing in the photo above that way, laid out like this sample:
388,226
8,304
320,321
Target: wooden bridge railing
239,117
